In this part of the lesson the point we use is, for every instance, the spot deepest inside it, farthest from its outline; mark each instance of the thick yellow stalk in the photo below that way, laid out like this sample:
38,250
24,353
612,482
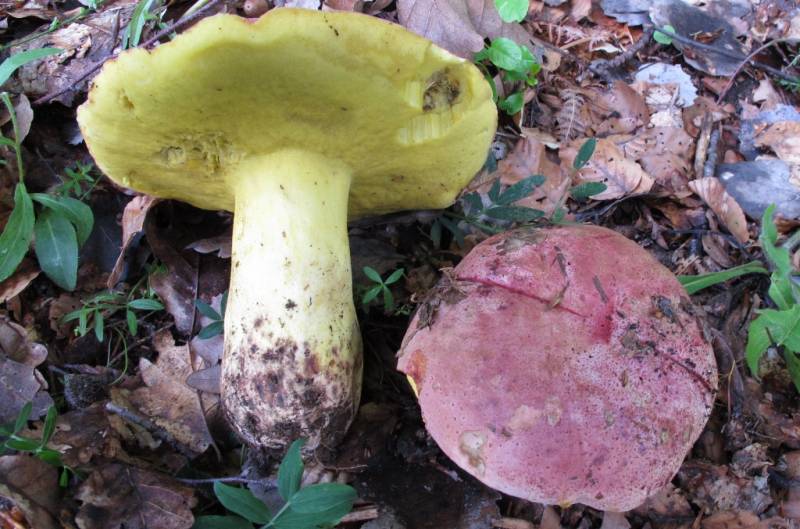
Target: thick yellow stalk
292,363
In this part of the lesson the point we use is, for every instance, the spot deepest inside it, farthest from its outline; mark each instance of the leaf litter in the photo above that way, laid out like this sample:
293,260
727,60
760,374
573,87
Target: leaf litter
685,162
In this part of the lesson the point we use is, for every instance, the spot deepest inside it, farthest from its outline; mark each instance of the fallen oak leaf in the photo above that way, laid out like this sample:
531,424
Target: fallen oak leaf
30,485
713,193
133,218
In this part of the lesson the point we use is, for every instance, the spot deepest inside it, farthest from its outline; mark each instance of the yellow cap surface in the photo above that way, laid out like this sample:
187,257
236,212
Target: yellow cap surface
411,121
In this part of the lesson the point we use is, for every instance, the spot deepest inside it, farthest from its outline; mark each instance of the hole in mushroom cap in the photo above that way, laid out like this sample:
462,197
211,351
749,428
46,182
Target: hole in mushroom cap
436,97
209,151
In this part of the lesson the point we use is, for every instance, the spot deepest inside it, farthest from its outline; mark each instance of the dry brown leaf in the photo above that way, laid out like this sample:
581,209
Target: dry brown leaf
529,157
743,520
133,218
167,400
458,26
26,272
580,9
713,193
668,501
20,382
615,520
618,110
609,166
32,486
671,173
119,496
221,244
766,95
550,519
784,140
83,435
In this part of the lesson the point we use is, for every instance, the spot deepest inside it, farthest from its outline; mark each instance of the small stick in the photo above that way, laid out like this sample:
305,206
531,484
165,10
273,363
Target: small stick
150,426
228,479
713,154
744,63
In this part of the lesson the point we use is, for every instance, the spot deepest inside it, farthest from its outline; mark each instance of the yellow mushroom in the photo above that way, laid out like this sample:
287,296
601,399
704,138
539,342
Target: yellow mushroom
295,122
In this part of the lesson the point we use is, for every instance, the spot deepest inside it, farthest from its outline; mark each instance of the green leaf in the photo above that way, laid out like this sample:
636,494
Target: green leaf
242,502
322,497
49,425
223,304
22,445
22,418
394,277
793,365
291,519
505,54
76,211
494,191
512,10
99,327
371,294
145,304
664,38
51,457
784,326
781,291
514,213
207,310
372,274
436,234
291,470
133,33
16,237
520,190
63,478
388,299
212,329
221,522
694,284
57,248
10,65
584,153
453,228
585,190
133,323
513,103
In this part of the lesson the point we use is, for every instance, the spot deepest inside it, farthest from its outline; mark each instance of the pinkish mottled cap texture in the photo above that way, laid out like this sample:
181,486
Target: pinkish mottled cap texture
562,365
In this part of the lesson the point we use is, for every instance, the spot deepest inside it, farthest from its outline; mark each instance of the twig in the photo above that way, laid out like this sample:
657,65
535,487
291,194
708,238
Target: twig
744,63
269,483
158,36
722,51
711,161
150,426
602,67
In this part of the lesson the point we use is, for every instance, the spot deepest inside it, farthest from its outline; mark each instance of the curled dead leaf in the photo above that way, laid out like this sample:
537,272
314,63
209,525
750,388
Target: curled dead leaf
713,193
783,138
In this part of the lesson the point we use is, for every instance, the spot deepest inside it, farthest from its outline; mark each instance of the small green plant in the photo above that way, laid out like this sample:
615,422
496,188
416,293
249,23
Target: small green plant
381,287
79,181
778,327
512,10
664,37
145,11
63,223
313,507
217,326
11,440
97,310
694,284
516,64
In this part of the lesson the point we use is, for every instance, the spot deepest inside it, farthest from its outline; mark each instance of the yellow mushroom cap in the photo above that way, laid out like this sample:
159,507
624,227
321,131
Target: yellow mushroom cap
411,121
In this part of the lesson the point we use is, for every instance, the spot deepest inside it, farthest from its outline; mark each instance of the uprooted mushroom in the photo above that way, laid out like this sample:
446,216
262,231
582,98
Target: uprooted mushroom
294,121
562,365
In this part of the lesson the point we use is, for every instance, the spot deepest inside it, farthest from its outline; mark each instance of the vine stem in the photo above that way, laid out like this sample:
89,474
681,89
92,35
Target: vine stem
15,125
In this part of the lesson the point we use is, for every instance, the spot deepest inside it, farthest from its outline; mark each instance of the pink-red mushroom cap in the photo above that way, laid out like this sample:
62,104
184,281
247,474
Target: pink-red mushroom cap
562,365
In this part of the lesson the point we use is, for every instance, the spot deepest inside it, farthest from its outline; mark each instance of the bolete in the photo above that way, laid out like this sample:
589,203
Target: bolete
562,365
296,122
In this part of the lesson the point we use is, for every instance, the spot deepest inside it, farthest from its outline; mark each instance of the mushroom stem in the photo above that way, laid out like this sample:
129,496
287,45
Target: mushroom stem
292,363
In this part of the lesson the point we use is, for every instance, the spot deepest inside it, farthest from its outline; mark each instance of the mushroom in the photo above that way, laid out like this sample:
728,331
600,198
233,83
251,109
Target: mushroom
562,365
295,122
